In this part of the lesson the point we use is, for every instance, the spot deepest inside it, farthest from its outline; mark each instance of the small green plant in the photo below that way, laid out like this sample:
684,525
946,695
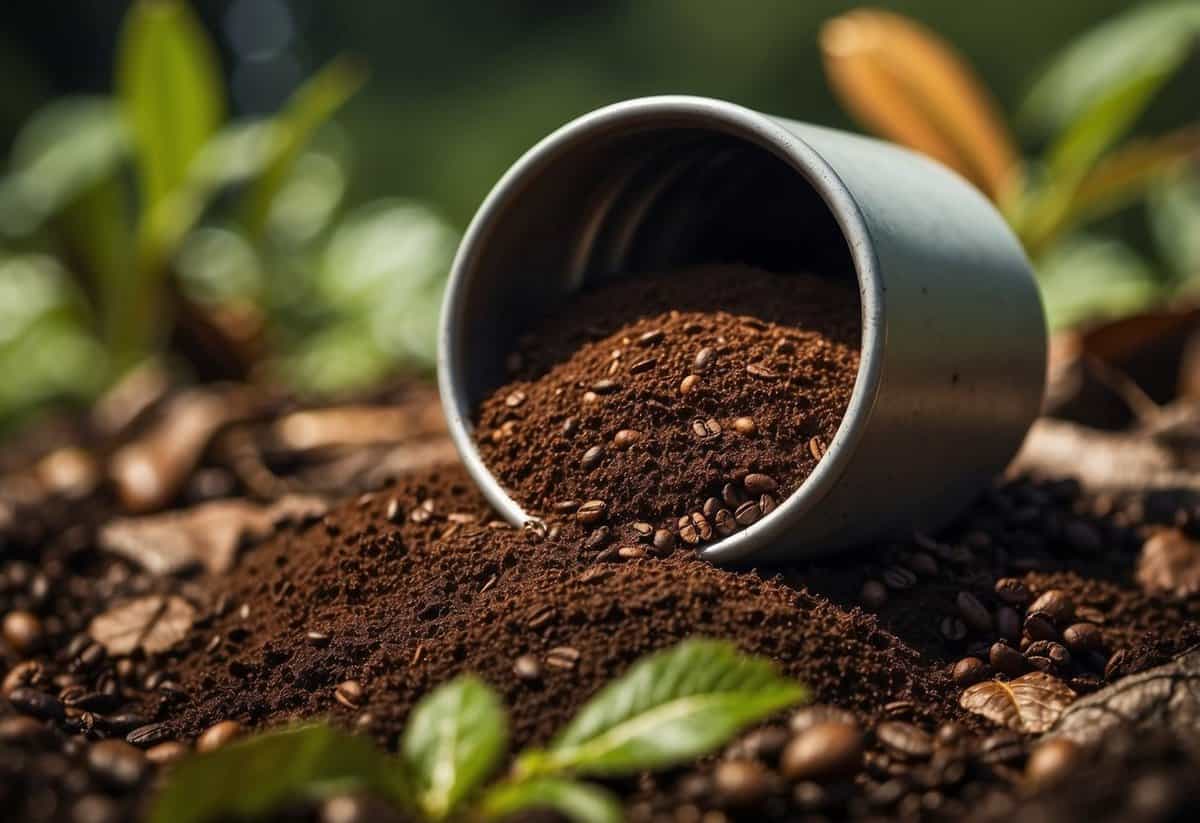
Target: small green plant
669,708
903,81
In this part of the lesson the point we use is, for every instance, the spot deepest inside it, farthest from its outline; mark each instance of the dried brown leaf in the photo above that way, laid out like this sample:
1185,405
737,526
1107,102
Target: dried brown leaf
906,83
1170,565
153,623
1030,703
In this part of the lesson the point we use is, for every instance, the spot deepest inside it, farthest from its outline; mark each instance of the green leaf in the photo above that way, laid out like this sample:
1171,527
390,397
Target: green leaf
309,107
577,802
455,737
1142,42
1175,223
257,776
667,709
1086,279
170,90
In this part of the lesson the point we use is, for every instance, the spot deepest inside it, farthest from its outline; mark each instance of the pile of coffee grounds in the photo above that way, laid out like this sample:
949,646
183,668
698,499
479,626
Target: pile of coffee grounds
692,401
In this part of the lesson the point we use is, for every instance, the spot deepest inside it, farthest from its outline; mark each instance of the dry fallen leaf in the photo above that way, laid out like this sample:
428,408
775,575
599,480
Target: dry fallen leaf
153,623
906,83
1031,703
1170,564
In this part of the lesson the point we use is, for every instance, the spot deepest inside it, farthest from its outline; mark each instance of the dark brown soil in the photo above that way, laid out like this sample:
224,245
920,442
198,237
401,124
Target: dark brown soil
669,398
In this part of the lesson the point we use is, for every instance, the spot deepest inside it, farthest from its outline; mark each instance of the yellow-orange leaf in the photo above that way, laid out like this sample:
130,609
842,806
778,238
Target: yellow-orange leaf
907,84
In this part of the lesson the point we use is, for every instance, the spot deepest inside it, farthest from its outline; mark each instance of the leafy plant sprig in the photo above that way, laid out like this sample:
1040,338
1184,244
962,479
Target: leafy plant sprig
669,708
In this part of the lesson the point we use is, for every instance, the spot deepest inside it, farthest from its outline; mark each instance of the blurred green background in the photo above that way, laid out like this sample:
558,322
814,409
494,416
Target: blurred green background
456,92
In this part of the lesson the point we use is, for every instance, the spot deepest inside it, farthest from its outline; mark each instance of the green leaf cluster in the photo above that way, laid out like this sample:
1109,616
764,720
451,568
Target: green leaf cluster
667,709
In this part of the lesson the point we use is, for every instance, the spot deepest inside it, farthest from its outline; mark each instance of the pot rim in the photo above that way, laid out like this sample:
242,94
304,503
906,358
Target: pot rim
722,117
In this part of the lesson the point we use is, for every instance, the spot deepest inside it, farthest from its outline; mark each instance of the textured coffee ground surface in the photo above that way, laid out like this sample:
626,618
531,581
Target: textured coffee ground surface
652,395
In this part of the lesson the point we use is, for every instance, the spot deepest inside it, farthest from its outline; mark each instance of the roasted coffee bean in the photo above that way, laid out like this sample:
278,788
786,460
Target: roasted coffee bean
973,612
22,632
563,657
117,763
1008,623
747,514
898,578
1001,747
817,448
25,673
953,629
710,427
626,438
664,541
741,782
1007,660
760,484
631,552
36,703
874,595
162,754
644,365
1013,591
825,751
733,495
688,384
687,531
218,735
766,504
598,537
1115,665
762,371
565,506
808,716
349,693
724,522
904,740
643,530
124,722
711,505
318,639
148,735
969,671
570,426
1039,626
592,512
651,337
1083,637
528,668
745,426
1056,652
91,701
1052,762
765,744
592,457
898,708
605,386
705,358
703,527
515,399
1056,604
20,730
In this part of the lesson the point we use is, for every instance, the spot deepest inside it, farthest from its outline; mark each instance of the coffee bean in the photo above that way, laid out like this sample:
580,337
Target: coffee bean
605,386
124,722
904,740
36,703
969,671
25,673
705,358
1007,660
824,752
703,527
117,763
598,537
762,371
973,612
733,495
163,754
591,458
725,522
651,337
1083,637
898,578
687,531
1056,604
20,730
953,629
809,716
766,504
745,426
22,632
515,399
626,438
664,541
592,512
1001,747
1012,591
318,639
898,708
741,782
1008,623
1039,626
643,530
1052,762
760,484
874,595
1115,665
1056,652
563,657
527,668
148,734
709,509
565,506
644,365
765,745
349,693
705,428
631,552
218,735
393,512
817,448
688,384
747,514
570,426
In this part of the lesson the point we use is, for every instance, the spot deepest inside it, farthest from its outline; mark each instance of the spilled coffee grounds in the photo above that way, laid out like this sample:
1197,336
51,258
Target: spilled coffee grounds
689,403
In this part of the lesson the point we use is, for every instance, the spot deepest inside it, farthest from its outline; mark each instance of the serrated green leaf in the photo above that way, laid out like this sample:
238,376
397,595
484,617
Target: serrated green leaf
668,708
170,91
1146,40
256,776
454,740
577,802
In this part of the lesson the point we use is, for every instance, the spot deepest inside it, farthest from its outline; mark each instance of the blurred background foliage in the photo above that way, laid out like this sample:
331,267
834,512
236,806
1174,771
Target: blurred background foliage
218,180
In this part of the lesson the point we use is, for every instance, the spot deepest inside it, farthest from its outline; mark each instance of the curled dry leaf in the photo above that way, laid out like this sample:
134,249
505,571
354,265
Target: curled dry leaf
1170,565
1030,703
153,623
906,83
207,535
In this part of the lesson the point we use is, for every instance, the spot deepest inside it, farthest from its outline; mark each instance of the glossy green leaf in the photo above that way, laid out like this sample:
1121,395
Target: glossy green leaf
577,802
259,775
667,709
455,738
310,107
170,91
1147,40
1085,279
1175,222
